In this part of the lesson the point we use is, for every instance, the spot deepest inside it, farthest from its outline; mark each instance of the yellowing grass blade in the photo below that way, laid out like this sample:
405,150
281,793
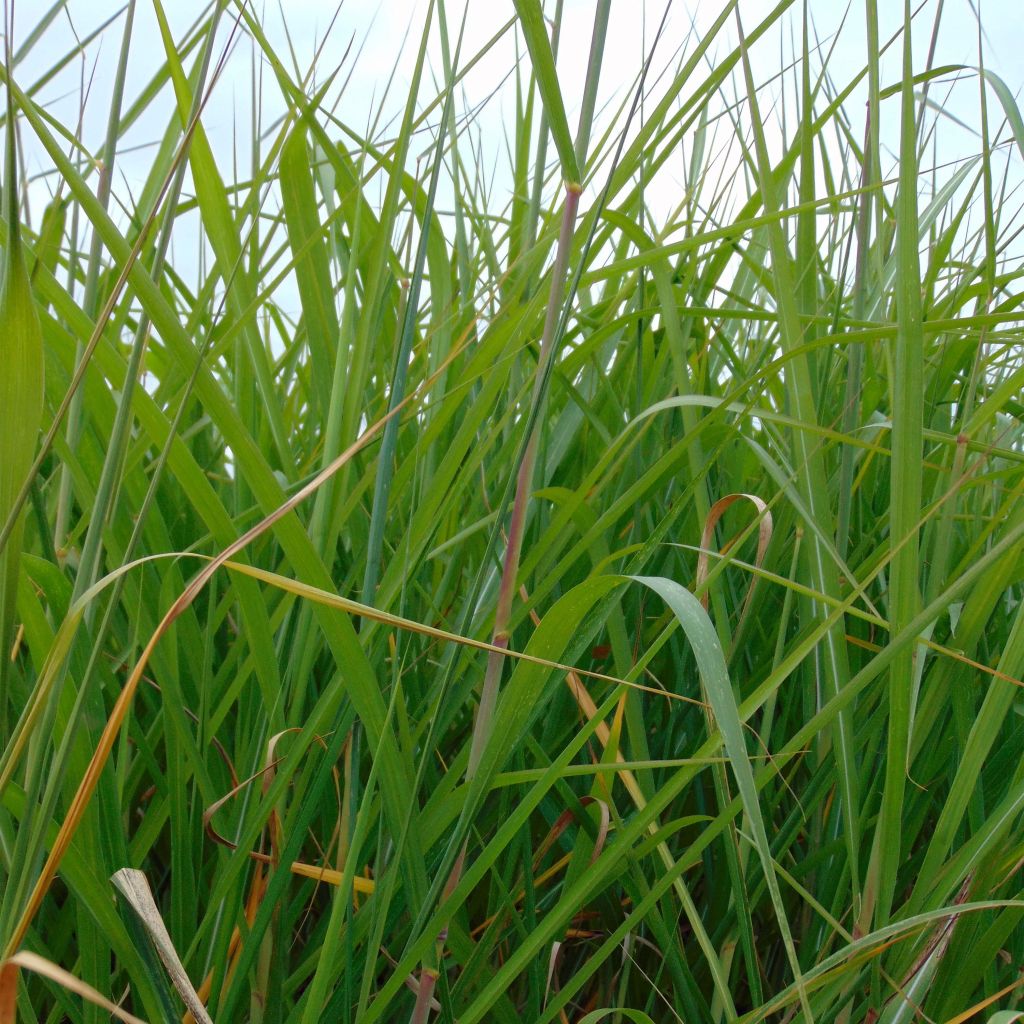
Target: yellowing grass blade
27,961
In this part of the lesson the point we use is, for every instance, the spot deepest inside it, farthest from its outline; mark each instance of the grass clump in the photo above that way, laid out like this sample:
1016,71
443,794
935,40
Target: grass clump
587,592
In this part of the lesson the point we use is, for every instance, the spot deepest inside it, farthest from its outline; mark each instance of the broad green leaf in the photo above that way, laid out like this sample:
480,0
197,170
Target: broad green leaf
21,393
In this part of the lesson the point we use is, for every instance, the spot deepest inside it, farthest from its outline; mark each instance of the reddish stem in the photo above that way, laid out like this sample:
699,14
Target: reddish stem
483,722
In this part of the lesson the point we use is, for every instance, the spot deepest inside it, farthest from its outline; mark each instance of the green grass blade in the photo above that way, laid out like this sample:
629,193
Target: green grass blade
531,20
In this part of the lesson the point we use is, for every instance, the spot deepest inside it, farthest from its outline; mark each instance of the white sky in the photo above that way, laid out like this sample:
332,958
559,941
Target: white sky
381,30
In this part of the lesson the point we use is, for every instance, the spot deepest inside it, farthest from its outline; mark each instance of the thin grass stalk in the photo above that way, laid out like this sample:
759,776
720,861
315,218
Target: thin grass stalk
378,273
94,949
905,484
483,721
48,775
594,64
122,704
462,250
343,896
799,389
660,300
92,274
540,160
410,303
110,473
524,485
325,523
855,360
132,256
533,418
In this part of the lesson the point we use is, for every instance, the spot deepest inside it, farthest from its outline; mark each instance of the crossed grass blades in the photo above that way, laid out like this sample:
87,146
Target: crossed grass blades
442,596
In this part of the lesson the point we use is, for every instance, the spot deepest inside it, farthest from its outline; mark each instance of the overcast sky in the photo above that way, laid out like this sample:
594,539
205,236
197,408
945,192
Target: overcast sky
386,35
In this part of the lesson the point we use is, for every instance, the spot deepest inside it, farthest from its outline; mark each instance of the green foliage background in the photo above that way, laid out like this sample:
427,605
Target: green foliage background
752,466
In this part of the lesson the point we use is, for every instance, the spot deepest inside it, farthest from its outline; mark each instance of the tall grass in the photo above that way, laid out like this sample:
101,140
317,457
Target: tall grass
593,592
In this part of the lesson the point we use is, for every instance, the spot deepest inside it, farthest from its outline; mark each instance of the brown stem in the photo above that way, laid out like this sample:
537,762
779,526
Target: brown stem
524,485
424,996
483,722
